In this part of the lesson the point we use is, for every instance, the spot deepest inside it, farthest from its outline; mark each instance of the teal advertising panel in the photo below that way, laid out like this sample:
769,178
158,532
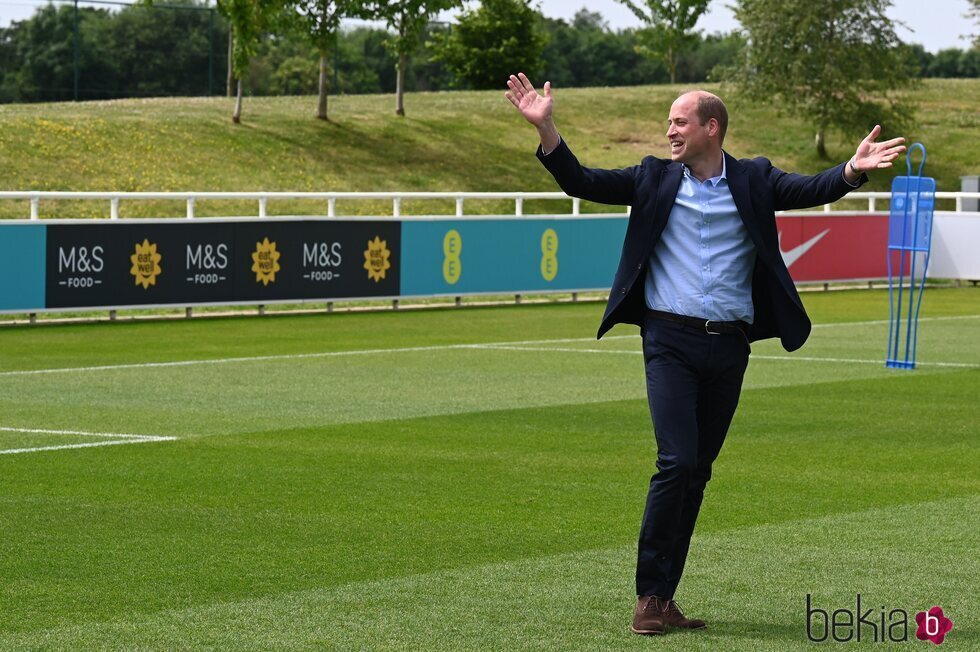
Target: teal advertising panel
22,267
524,255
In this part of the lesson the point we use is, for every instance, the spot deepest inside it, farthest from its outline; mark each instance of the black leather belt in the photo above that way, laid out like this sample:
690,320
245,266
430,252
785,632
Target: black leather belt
707,325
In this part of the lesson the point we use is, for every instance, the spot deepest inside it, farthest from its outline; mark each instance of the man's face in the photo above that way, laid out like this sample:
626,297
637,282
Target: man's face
689,140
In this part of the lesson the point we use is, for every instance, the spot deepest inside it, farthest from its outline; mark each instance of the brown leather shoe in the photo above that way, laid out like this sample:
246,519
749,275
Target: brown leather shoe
674,617
648,617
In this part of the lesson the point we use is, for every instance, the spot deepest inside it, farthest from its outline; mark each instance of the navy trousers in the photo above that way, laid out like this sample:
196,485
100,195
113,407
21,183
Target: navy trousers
693,383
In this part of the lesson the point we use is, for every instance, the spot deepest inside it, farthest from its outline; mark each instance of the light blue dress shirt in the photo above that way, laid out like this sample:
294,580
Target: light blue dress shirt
702,265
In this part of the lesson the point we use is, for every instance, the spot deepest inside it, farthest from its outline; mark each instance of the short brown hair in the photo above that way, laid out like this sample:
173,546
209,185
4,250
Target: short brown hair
711,106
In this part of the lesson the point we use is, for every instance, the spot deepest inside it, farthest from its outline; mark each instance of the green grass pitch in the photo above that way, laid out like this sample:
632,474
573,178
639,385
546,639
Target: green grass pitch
469,479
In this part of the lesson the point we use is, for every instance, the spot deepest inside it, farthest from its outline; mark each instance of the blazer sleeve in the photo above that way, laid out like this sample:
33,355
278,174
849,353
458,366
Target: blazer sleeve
793,191
592,184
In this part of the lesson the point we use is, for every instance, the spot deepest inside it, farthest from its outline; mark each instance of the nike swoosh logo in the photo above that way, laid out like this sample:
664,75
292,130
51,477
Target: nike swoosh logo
794,254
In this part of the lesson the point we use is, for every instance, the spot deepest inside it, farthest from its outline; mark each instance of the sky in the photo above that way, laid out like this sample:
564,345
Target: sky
937,24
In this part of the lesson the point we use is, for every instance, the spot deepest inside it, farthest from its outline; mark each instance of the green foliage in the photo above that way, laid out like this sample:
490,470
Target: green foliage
953,62
136,51
247,20
319,22
407,20
587,53
499,38
835,64
668,23
295,76
163,50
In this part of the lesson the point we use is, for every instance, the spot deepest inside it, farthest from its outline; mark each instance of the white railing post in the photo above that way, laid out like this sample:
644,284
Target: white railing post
959,203
459,207
35,207
190,208
396,207
263,203
871,204
331,207
519,206
114,208
576,206
826,208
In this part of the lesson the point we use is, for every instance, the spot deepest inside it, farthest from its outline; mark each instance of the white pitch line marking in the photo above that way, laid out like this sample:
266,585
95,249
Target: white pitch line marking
878,322
804,358
115,439
789,358
408,349
83,433
506,347
293,356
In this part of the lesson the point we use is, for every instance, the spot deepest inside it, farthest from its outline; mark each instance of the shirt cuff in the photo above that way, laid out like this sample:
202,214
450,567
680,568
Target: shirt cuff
843,171
544,153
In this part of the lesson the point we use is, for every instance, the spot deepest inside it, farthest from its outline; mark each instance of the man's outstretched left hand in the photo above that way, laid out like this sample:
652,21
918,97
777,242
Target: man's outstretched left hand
873,156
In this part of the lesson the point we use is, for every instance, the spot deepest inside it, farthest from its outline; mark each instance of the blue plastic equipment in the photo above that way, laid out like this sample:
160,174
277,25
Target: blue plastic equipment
909,240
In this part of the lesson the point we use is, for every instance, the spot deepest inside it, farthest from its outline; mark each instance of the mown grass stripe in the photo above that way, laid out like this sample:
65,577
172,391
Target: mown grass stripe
581,600
513,345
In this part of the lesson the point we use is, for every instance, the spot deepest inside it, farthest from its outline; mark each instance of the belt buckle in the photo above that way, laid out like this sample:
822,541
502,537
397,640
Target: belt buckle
707,330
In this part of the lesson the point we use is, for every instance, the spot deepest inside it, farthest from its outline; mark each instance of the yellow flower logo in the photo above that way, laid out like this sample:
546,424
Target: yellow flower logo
265,262
146,264
376,259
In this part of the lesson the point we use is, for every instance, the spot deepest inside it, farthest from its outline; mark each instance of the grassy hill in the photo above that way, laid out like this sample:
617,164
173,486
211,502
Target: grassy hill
461,141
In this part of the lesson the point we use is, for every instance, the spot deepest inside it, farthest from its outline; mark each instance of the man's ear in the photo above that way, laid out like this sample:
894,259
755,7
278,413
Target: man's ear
713,127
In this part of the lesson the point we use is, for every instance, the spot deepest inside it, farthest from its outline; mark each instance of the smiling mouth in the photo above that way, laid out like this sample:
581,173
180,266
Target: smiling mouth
675,145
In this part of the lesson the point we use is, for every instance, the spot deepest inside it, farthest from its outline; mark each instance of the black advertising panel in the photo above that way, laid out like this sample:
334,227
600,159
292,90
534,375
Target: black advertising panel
222,261
317,259
79,270
176,263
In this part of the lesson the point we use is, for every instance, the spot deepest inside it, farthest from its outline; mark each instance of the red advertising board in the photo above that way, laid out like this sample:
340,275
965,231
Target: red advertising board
833,247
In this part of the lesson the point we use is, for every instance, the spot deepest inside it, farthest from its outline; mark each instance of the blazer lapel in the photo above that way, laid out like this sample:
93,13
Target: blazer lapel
670,182
738,184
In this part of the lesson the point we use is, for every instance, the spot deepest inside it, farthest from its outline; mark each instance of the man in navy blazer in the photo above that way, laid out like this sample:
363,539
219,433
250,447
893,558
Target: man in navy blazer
701,274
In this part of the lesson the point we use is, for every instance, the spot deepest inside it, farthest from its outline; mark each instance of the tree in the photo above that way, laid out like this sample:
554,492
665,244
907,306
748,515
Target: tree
668,25
836,64
588,53
408,19
491,42
320,20
974,13
246,20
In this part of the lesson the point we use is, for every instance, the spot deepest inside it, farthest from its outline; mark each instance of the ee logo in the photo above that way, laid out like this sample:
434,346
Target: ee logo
549,255
452,265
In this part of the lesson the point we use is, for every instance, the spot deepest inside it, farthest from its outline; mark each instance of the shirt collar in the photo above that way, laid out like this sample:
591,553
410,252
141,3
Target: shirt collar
714,181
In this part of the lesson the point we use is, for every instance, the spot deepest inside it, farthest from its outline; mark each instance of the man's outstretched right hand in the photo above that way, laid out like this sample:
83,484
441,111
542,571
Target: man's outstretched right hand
536,108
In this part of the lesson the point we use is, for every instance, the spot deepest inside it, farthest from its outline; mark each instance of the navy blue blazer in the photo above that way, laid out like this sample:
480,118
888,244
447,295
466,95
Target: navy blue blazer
759,190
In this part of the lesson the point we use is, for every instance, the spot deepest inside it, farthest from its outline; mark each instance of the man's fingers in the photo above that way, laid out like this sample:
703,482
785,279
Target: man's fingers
514,84
893,142
874,134
547,89
513,100
528,86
